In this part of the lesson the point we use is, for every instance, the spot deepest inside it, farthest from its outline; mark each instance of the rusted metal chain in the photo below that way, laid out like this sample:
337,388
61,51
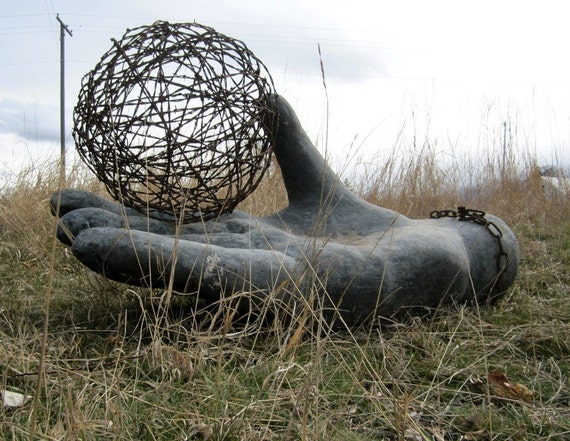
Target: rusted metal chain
478,217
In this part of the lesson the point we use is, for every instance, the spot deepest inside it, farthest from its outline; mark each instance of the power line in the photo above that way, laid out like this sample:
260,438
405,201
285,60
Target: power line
21,15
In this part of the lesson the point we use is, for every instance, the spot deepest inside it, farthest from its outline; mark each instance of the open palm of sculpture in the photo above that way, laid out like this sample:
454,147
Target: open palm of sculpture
361,260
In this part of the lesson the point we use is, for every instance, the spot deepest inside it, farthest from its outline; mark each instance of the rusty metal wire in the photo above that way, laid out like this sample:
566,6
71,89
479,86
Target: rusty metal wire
175,120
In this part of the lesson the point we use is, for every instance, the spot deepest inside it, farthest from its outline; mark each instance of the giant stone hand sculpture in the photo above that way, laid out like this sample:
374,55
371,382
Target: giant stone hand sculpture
366,261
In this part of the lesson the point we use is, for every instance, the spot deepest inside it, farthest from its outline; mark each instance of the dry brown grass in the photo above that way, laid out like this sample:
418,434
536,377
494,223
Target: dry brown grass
120,366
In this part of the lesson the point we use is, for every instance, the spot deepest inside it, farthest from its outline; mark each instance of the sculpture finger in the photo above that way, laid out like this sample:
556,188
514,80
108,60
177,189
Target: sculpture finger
152,260
67,200
238,231
74,222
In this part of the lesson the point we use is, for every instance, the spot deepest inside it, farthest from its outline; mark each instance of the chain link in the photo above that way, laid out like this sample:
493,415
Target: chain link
477,216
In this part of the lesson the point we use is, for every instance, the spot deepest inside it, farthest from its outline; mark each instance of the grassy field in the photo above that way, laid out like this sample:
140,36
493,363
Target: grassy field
122,363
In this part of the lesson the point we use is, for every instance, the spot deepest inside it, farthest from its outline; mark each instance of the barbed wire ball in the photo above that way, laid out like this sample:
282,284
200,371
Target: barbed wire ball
175,120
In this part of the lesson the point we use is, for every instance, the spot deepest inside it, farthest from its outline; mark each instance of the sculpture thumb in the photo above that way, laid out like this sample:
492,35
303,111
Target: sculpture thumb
307,177
319,203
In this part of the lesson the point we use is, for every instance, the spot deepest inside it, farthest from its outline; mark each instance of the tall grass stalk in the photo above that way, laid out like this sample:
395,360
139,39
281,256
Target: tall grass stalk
47,299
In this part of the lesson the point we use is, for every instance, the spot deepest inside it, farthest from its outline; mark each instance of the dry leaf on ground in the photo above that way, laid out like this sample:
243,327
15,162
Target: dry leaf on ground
501,387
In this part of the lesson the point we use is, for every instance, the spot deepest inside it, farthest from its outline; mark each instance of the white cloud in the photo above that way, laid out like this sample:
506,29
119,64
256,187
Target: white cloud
34,121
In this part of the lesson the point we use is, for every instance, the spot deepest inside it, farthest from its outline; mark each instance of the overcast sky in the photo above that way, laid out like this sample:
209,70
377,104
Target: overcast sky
451,71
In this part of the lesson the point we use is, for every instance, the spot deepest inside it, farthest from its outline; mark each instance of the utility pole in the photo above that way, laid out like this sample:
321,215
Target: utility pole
504,147
63,30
